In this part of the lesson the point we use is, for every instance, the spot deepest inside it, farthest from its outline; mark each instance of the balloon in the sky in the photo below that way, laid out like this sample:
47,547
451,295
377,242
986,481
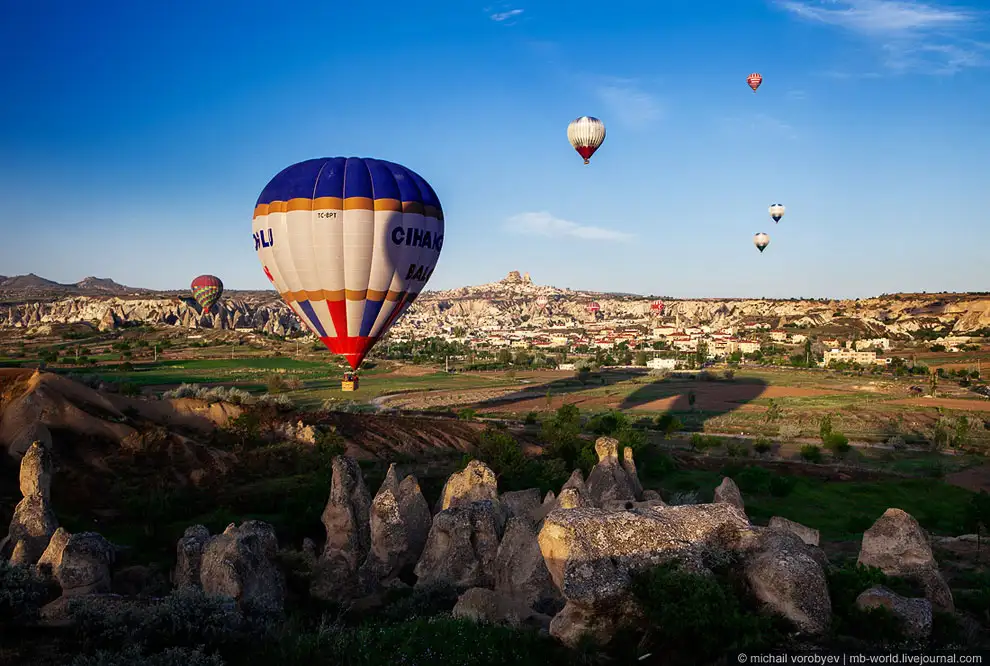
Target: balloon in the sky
754,80
586,135
777,212
593,307
207,290
657,307
349,243
761,240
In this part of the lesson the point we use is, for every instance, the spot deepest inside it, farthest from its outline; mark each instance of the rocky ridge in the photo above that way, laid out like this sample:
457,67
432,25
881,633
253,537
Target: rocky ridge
511,304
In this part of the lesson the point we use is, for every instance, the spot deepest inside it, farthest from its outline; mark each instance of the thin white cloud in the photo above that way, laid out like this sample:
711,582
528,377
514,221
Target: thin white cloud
629,103
758,123
911,35
506,15
545,224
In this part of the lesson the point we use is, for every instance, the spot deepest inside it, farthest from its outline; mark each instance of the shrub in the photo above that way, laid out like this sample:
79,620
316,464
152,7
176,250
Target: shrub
531,418
737,449
897,443
754,480
134,654
837,443
22,593
684,497
275,384
280,402
762,445
790,431
697,619
466,414
668,424
811,453
782,486
729,374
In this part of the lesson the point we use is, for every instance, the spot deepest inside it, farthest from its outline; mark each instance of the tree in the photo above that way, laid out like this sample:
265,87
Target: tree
504,357
825,427
773,411
932,384
701,353
691,399
641,358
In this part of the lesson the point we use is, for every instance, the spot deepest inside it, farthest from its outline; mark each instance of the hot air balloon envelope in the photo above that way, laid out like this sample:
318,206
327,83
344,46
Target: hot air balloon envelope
349,243
776,212
207,290
761,241
754,80
586,135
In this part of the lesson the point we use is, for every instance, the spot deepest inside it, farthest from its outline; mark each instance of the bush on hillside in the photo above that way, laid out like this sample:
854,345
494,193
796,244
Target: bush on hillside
837,443
22,593
811,453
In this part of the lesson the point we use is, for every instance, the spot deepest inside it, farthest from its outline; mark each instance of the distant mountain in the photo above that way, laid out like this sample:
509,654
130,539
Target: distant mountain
31,284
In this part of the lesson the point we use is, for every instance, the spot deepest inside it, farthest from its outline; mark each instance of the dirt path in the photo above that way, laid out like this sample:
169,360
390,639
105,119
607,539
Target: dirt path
945,403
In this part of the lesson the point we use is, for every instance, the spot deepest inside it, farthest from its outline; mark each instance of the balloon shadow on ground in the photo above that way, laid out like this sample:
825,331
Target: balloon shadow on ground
693,397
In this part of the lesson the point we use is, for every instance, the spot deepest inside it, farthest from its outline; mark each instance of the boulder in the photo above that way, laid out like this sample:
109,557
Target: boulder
462,546
608,480
788,576
520,571
592,554
80,563
522,503
728,492
34,521
483,605
189,556
808,535
915,614
897,545
475,483
240,564
629,465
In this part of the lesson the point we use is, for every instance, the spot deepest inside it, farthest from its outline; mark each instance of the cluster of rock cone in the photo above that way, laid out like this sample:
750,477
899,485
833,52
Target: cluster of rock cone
563,562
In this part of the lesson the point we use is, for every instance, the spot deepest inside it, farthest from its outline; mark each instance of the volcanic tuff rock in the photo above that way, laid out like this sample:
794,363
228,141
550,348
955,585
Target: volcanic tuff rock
34,520
507,304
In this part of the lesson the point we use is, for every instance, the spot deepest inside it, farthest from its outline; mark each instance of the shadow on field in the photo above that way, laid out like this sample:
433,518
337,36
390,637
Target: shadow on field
693,397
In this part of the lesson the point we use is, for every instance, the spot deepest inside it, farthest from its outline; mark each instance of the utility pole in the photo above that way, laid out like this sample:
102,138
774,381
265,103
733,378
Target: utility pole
156,352
446,364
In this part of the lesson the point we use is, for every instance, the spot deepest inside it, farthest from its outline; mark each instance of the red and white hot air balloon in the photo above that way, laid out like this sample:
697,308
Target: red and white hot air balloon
656,307
593,307
754,80
542,301
586,135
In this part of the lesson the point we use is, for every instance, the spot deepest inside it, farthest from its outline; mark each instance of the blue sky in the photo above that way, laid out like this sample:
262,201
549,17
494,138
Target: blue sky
135,137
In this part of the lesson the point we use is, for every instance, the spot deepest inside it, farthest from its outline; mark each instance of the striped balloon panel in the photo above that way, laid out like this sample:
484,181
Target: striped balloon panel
206,296
348,243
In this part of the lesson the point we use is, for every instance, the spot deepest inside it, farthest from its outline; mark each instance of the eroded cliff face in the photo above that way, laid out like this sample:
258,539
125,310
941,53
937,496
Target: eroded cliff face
269,315
511,303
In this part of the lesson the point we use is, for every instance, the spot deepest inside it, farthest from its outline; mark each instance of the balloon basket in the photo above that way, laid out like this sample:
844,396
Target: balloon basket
349,383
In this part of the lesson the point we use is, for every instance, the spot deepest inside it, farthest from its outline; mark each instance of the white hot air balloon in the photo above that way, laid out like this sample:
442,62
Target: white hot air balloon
586,135
761,240
776,211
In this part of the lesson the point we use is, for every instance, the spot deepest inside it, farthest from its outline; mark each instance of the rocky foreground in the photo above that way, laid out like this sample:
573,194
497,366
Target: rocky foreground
563,563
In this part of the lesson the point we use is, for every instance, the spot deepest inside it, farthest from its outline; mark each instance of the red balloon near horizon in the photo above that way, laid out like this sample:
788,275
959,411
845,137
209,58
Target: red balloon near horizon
754,80
207,290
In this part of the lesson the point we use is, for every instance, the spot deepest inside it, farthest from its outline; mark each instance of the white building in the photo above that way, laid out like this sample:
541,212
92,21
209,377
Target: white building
662,363
861,357
873,343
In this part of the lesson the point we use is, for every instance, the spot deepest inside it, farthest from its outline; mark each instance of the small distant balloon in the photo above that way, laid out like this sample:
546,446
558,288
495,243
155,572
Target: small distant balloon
754,80
777,212
761,240
586,135
656,307
542,302
593,307
207,290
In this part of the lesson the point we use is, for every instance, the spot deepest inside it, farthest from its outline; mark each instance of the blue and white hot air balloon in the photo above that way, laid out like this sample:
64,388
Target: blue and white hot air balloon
349,243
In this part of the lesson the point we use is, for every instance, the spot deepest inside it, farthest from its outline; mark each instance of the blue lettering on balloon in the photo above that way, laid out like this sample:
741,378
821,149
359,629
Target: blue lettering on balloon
397,235
417,237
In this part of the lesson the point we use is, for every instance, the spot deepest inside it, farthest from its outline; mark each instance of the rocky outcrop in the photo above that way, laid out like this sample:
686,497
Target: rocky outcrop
915,615
808,535
524,503
79,562
728,492
34,521
592,554
476,482
484,605
189,557
629,465
520,571
609,480
240,564
788,577
400,524
347,519
462,546
897,545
